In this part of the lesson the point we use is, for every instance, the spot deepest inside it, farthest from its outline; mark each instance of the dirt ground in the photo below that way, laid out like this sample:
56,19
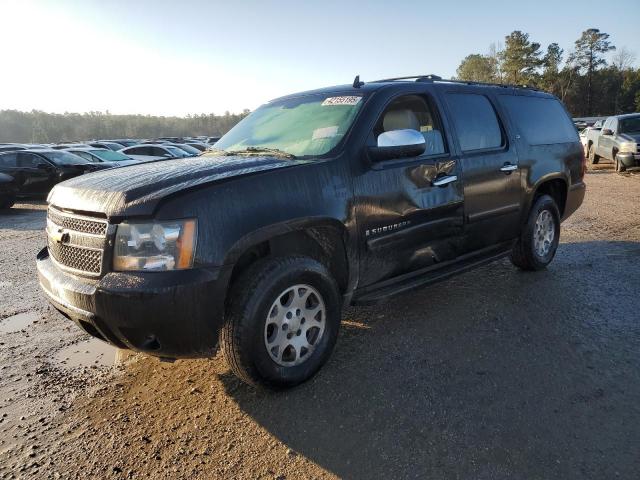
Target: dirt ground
493,374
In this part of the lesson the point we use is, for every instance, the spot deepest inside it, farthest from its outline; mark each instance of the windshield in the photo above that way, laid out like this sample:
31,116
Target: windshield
110,155
310,125
628,125
64,158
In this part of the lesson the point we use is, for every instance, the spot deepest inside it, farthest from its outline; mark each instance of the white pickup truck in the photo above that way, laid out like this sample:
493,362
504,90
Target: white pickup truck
618,140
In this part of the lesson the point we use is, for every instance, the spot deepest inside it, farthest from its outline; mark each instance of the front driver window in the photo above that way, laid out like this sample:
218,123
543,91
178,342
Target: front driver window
413,113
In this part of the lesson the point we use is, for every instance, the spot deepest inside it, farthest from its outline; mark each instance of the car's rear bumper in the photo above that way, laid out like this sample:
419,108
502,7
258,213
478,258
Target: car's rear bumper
575,196
174,314
629,160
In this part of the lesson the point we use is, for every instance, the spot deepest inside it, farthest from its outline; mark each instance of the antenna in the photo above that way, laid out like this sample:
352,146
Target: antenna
356,82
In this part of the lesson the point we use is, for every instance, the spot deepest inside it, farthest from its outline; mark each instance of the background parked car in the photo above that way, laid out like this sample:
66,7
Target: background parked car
153,152
127,142
100,155
191,151
197,145
8,191
64,146
618,141
35,172
108,145
12,147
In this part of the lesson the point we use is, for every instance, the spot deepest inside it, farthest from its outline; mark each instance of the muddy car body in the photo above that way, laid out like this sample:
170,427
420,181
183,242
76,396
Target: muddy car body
402,188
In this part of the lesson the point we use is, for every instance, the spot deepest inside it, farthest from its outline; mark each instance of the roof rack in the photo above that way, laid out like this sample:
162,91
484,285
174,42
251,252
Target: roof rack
436,78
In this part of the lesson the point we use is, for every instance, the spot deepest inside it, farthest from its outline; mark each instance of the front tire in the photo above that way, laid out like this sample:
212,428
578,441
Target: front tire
619,165
281,322
539,238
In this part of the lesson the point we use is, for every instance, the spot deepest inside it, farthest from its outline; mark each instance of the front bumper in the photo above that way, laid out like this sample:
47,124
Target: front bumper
629,160
175,314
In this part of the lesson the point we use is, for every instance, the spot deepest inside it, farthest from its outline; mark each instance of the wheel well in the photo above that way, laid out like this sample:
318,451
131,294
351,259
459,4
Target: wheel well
556,189
324,244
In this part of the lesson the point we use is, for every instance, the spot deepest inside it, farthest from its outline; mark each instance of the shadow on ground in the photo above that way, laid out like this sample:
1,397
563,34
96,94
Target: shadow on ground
495,373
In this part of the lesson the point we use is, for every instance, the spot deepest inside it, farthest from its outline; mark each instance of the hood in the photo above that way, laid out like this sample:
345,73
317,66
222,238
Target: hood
631,137
137,189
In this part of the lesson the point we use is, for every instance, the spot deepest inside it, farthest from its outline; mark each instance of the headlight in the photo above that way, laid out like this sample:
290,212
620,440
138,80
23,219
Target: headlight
168,245
627,147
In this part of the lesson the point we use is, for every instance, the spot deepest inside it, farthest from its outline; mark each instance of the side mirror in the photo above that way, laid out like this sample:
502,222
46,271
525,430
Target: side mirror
607,131
398,144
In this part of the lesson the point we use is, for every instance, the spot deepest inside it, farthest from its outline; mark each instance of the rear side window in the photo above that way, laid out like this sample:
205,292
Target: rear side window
8,160
475,120
542,121
138,151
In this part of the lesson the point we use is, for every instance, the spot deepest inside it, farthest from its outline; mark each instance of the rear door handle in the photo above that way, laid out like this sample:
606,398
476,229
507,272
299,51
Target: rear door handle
508,168
446,180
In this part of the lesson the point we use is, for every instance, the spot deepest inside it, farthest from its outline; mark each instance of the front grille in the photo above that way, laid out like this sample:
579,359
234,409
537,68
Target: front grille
76,258
81,225
76,242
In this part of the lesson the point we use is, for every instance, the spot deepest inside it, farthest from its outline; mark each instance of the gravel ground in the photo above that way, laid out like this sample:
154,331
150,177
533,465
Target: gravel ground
492,374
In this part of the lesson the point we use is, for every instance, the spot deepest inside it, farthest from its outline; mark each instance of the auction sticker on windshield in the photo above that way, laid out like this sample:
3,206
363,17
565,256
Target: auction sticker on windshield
346,100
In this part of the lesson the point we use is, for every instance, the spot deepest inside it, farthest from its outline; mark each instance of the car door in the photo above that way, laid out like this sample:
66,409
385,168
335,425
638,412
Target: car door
9,166
38,175
408,210
490,171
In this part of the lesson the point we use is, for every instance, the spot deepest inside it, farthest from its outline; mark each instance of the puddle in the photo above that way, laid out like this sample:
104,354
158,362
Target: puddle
89,353
18,322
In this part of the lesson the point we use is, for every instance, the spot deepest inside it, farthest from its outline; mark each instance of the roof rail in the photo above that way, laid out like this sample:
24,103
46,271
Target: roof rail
436,78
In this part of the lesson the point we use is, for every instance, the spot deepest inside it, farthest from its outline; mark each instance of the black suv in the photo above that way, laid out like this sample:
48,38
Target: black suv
343,195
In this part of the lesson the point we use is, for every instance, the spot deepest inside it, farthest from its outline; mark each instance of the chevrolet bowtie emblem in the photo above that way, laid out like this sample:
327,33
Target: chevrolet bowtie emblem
60,236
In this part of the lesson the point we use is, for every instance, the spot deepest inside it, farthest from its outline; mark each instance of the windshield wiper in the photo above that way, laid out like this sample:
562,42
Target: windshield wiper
258,150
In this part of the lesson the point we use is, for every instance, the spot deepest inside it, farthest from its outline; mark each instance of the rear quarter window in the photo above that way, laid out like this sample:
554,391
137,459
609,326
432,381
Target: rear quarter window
542,121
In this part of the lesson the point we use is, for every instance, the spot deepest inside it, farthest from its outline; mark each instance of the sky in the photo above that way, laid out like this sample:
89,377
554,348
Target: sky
162,57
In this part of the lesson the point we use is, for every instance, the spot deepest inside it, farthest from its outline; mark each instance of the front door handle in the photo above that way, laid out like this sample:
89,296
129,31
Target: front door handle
508,168
446,180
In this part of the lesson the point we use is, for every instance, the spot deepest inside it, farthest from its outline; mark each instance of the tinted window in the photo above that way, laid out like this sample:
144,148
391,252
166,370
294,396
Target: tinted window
137,151
29,160
541,121
412,112
475,120
8,160
84,155
629,125
156,151
64,158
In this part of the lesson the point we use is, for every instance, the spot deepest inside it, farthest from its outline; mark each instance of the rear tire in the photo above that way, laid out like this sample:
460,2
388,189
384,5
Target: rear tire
274,334
593,158
540,236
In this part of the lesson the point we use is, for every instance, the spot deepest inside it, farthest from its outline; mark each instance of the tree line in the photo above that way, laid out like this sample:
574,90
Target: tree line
582,78
42,127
